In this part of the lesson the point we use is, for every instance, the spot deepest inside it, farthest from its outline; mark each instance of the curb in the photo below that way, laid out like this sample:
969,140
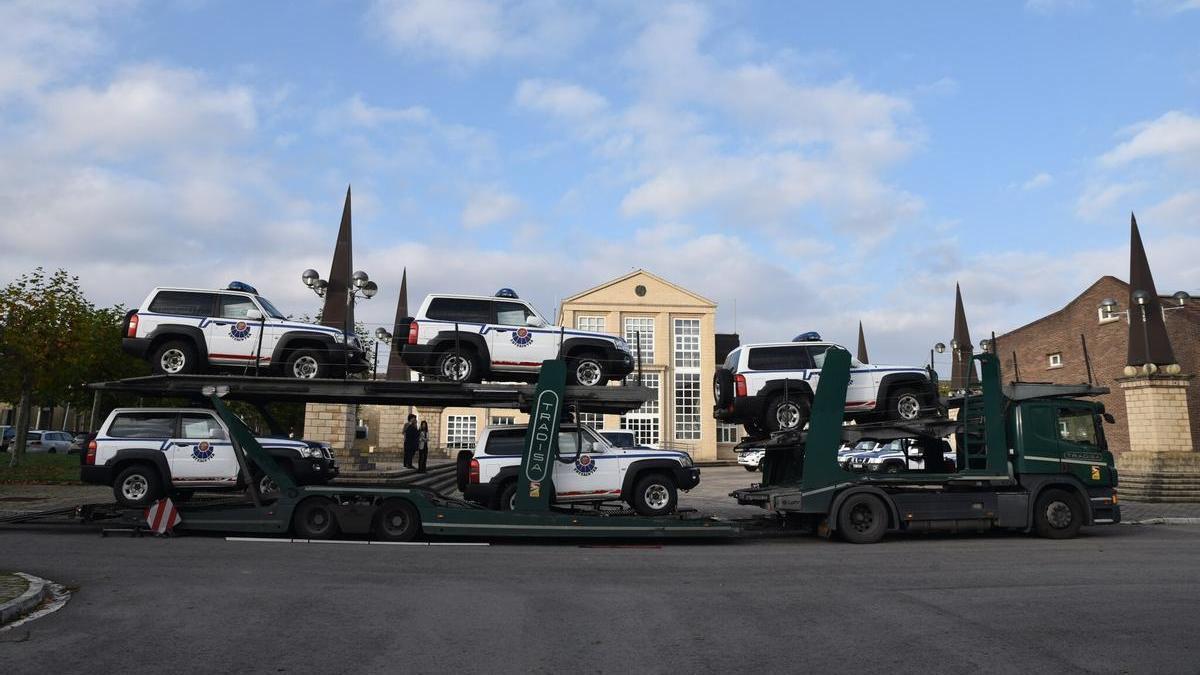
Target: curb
32,597
1166,521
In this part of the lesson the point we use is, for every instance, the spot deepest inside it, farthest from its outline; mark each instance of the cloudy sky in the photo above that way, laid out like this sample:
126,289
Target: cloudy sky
814,164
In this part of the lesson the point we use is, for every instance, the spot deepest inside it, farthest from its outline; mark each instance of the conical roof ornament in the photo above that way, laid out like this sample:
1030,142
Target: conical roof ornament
1148,341
396,369
962,371
337,313
862,345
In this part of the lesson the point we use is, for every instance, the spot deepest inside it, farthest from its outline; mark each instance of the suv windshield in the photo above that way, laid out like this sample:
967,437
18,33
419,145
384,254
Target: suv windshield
269,308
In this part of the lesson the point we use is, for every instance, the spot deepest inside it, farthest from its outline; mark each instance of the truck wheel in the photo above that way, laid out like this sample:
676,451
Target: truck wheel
462,366
397,520
1057,515
137,485
508,497
587,370
654,495
904,405
175,357
314,519
306,364
863,519
787,413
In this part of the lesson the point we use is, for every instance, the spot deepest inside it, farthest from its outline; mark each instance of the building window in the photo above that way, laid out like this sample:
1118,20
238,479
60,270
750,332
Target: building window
1056,360
460,431
687,406
594,324
643,325
1108,314
593,420
727,433
644,422
506,420
687,343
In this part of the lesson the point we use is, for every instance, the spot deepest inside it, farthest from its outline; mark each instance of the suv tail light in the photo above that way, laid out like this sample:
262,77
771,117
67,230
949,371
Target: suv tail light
90,457
131,330
413,329
739,385
473,473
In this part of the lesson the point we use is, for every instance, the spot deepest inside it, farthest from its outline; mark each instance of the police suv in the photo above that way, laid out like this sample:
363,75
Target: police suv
770,387
588,469
467,338
186,330
149,453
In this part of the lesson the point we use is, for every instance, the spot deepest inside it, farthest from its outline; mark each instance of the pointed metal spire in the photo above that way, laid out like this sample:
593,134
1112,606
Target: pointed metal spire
862,345
1148,341
396,369
336,313
962,371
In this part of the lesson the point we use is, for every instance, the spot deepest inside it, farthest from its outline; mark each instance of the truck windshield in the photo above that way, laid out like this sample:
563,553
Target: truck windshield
1077,425
269,308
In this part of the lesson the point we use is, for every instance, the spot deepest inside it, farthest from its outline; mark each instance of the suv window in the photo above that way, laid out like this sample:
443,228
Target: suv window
184,303
731,361
235,306
198,425
787,357
512,313
143,425
466,310
818,355
506,441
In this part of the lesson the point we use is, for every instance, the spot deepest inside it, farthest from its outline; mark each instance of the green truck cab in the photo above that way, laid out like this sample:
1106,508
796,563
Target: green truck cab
1028,456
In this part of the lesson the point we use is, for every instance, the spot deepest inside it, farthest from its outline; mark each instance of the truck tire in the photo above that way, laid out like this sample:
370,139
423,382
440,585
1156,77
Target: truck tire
654,495
315,519
306,364
904,404
175,357
507,501
723,388
397,520
862,519
587,370
787,413
460,366
138,485
1058,514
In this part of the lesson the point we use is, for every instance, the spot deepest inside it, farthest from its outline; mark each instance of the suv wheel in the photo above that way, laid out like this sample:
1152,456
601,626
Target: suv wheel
587,370
137,485
462,366
654,495
306,364
787,413
175,357
905,405
508,497
754,428
723,388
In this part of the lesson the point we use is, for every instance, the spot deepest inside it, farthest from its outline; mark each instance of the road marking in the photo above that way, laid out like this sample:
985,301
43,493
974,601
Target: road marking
284,540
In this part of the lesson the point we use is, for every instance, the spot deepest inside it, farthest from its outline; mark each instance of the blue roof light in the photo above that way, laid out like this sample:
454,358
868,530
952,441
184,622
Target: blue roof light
243,287
810,336
507,293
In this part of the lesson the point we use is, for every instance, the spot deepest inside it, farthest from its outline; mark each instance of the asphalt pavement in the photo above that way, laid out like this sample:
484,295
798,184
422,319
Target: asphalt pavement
1118,599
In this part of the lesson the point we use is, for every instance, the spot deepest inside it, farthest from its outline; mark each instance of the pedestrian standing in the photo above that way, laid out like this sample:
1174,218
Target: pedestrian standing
412,440
423,447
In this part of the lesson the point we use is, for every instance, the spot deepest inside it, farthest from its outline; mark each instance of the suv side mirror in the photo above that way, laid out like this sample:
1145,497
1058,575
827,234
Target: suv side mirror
533,321
254,315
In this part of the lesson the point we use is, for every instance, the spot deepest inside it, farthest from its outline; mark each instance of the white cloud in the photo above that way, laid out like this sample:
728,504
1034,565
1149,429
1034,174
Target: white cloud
1104,200
559,98
1180,211
359,112
1057,6
1167,6
1174,135
489,205
1038,181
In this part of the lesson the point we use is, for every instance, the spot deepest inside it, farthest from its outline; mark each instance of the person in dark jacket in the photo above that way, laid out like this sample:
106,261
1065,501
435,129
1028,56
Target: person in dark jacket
412,440
423,447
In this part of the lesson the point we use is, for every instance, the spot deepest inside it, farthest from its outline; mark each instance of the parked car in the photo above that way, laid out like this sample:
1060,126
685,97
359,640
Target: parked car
7,433
188,330
770,387
79,442
469,338
751,459
52,442
648,480
148,453
905,454
847,453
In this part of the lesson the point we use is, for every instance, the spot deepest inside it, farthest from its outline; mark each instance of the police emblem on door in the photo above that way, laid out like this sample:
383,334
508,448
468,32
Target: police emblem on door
585,465
203,451
521,337
239,331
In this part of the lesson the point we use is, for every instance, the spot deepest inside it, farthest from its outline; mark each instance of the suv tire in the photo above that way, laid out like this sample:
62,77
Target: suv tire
723,388
462,470
137,485
904,404
1057,515
175,357
654,495
314,519
306,364
862,519
787,413
507,500
460,366
587,370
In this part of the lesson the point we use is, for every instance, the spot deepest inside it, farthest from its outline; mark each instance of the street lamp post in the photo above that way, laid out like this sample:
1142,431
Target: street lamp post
381,335
1142,298
362,286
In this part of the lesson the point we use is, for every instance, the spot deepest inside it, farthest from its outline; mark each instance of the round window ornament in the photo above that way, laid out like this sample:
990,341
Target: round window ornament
640,290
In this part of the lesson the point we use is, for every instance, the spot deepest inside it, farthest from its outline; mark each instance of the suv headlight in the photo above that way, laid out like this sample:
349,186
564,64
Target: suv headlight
339,338
685,459
314,453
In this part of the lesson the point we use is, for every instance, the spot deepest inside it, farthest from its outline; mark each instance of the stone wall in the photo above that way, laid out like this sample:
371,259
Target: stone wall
331,423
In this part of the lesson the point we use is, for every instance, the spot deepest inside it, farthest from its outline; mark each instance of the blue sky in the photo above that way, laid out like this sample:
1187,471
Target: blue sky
816,163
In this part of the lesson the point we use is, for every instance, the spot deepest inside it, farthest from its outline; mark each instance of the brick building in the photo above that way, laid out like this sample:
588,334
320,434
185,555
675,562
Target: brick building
1050,350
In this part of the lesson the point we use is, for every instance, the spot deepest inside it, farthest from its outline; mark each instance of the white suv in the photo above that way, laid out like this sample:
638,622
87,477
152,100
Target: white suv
649,480
467,338
186,330
769,387
149,453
